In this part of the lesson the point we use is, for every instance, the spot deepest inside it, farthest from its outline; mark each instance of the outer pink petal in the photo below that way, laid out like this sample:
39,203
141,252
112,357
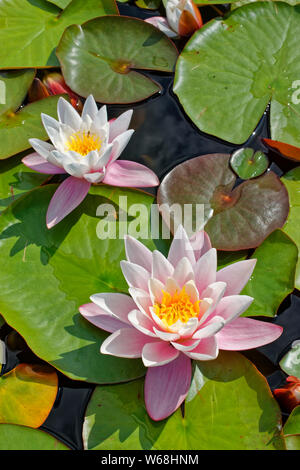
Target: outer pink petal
161,267
100,318
158,354
245,333
40,164
135,275
138,253
236,275
115,304
232,306
130,174
205,269
200,243
167,386
206,350
127,342
66,198
180,248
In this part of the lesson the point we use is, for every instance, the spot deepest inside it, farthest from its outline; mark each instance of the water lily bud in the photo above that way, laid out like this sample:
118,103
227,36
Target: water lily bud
56,85
289,395
183,16
37,91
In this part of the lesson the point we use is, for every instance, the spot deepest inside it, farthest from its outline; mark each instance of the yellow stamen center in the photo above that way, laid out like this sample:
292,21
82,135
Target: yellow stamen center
83,142
176,307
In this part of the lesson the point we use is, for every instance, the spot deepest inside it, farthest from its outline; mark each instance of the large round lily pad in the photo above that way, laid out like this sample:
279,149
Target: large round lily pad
237,218
231,68
39,25
16,179
105,55
17,127
51,273
27,394
14,85
23,438
233,410
274,276
291,430
292,183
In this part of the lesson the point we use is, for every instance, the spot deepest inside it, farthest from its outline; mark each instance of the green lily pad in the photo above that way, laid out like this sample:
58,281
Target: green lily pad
68,264
292,183
60,3
17,127
274,275
13,88
243,62
233,410
148,4
248,164
16,179
27,395
23,438
236,219
290,363
40,25
292,426
98,58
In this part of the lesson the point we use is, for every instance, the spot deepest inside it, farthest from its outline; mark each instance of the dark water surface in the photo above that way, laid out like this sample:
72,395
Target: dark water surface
164,137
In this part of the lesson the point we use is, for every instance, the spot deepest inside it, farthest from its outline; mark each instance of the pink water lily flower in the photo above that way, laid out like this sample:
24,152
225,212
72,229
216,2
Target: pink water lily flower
180,308
86,147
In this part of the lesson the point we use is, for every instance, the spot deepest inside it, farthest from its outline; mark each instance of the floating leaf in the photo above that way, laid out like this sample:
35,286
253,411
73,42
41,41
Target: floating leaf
16,128
248,164
68,264
238,3
40,25
292,183
286,150
60,3
27,394
148,4
16,179
292,426
235,398
98,58
290,363
239,218
23,438
13,89
274,274
243,62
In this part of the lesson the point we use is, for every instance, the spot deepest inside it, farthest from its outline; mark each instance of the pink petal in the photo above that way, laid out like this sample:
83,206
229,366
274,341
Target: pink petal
166,387
138,253
127,342
100,318
66,198
233,306
214,292
130,174
200,243
183,272
165,335
119,125
180,248
135,275
40,164
210,328
206,350
186,345
115,304
161,267
158,354
205,269
142,322
245,333
236,275
142,300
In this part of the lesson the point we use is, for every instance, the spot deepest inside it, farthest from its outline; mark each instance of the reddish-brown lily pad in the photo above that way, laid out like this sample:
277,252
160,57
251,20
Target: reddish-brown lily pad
286,150
236,217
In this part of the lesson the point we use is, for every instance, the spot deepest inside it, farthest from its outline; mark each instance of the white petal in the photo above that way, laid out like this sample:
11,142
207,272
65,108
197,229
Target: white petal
68,115
183,272
119,144
162,269
156,288
90,108
95,177
165,335
119,125
42,148
210,329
